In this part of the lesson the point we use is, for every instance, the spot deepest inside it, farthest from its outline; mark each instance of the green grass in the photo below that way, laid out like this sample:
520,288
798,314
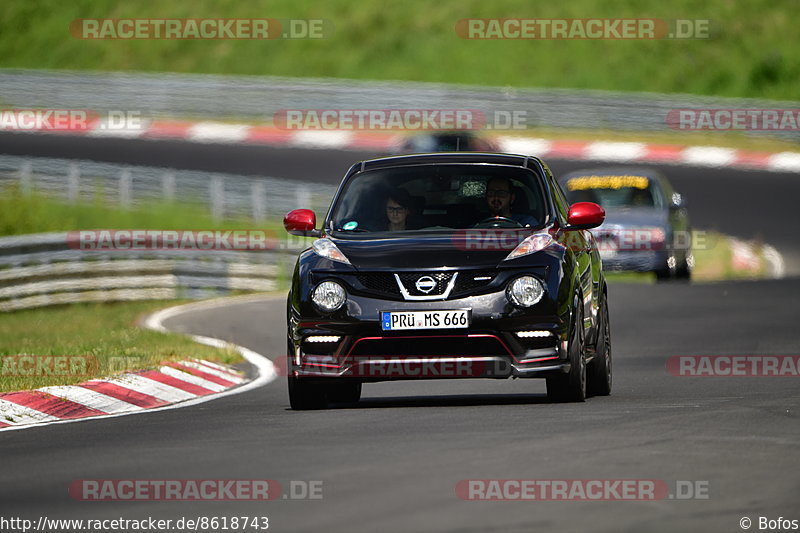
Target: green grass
753,52
104,336
37,213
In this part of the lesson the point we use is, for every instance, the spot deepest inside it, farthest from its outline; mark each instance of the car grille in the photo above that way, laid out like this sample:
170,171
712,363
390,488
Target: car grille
409,281
385,284
473,280
382,283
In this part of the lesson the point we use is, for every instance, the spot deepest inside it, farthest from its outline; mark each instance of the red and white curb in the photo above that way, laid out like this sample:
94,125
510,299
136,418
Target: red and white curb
606,151
173,385
745,258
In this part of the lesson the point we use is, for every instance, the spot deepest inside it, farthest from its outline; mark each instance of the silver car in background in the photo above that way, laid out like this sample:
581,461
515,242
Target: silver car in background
647,225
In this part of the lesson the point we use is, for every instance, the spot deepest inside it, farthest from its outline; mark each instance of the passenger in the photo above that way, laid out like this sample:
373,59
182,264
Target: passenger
500,197
398,207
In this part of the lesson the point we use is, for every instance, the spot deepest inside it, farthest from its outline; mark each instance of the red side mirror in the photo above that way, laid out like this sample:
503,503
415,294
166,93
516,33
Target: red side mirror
300,221
585,215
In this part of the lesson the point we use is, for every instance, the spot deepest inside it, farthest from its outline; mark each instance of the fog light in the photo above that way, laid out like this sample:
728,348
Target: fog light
525,291
536,333
329,296
323,338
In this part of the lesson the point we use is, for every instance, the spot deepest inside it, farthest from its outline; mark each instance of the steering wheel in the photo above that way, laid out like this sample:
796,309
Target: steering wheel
495,222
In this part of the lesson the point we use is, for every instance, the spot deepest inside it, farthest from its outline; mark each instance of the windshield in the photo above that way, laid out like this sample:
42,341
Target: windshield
613,191
439,197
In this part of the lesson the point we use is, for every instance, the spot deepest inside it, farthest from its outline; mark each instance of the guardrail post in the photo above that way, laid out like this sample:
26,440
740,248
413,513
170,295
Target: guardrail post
216,192
26,177
125,183
73,183
258,194
303,197
168,186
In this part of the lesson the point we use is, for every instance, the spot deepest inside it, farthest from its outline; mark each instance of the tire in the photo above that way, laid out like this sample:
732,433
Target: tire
571,387
305,395
345,392
600,376
663,274
684,271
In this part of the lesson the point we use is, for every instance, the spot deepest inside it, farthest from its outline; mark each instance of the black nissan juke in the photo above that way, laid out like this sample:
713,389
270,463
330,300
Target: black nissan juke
448,265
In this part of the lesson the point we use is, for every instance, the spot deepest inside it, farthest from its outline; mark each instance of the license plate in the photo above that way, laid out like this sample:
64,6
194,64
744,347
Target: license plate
398,320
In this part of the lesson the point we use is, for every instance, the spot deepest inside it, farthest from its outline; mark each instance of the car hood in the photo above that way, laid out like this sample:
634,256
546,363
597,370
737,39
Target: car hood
634,218
428,252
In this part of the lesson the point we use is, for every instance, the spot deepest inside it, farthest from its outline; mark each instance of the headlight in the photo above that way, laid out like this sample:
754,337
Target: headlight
327,249
533,243
329,296
525,291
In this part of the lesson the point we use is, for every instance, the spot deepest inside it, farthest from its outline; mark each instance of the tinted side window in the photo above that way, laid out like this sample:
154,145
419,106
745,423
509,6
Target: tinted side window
559,199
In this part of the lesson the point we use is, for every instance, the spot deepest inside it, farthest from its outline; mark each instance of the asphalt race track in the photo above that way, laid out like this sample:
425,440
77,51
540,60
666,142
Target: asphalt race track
392,462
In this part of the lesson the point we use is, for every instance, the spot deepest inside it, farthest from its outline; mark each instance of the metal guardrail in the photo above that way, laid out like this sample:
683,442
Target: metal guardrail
257,98
226,196
42,269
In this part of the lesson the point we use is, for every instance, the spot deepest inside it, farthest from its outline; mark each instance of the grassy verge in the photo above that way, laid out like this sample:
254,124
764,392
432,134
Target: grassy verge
99,339
752,50
36,213
713,262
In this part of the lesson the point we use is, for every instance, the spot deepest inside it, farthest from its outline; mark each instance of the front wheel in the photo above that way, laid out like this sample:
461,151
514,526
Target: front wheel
571,387
600,370
345,392
304,395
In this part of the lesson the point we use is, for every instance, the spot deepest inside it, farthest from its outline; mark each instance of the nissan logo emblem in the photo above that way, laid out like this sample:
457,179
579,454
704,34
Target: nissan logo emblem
426,284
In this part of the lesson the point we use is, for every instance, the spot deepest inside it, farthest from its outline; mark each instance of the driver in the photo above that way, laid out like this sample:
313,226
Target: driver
499,198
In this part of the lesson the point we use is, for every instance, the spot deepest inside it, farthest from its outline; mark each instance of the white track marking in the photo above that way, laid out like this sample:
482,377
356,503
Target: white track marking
13,413
775,260
321,139
213,371
218,132
91,398
524,145
785,162
616,151
192,379
151,387
708,156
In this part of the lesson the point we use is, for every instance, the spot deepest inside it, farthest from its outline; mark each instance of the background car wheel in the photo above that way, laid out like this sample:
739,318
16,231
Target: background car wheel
600,378
684,270
345,392
571,387
305,395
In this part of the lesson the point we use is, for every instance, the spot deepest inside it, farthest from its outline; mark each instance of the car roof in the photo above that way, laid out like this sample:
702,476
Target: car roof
447,158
